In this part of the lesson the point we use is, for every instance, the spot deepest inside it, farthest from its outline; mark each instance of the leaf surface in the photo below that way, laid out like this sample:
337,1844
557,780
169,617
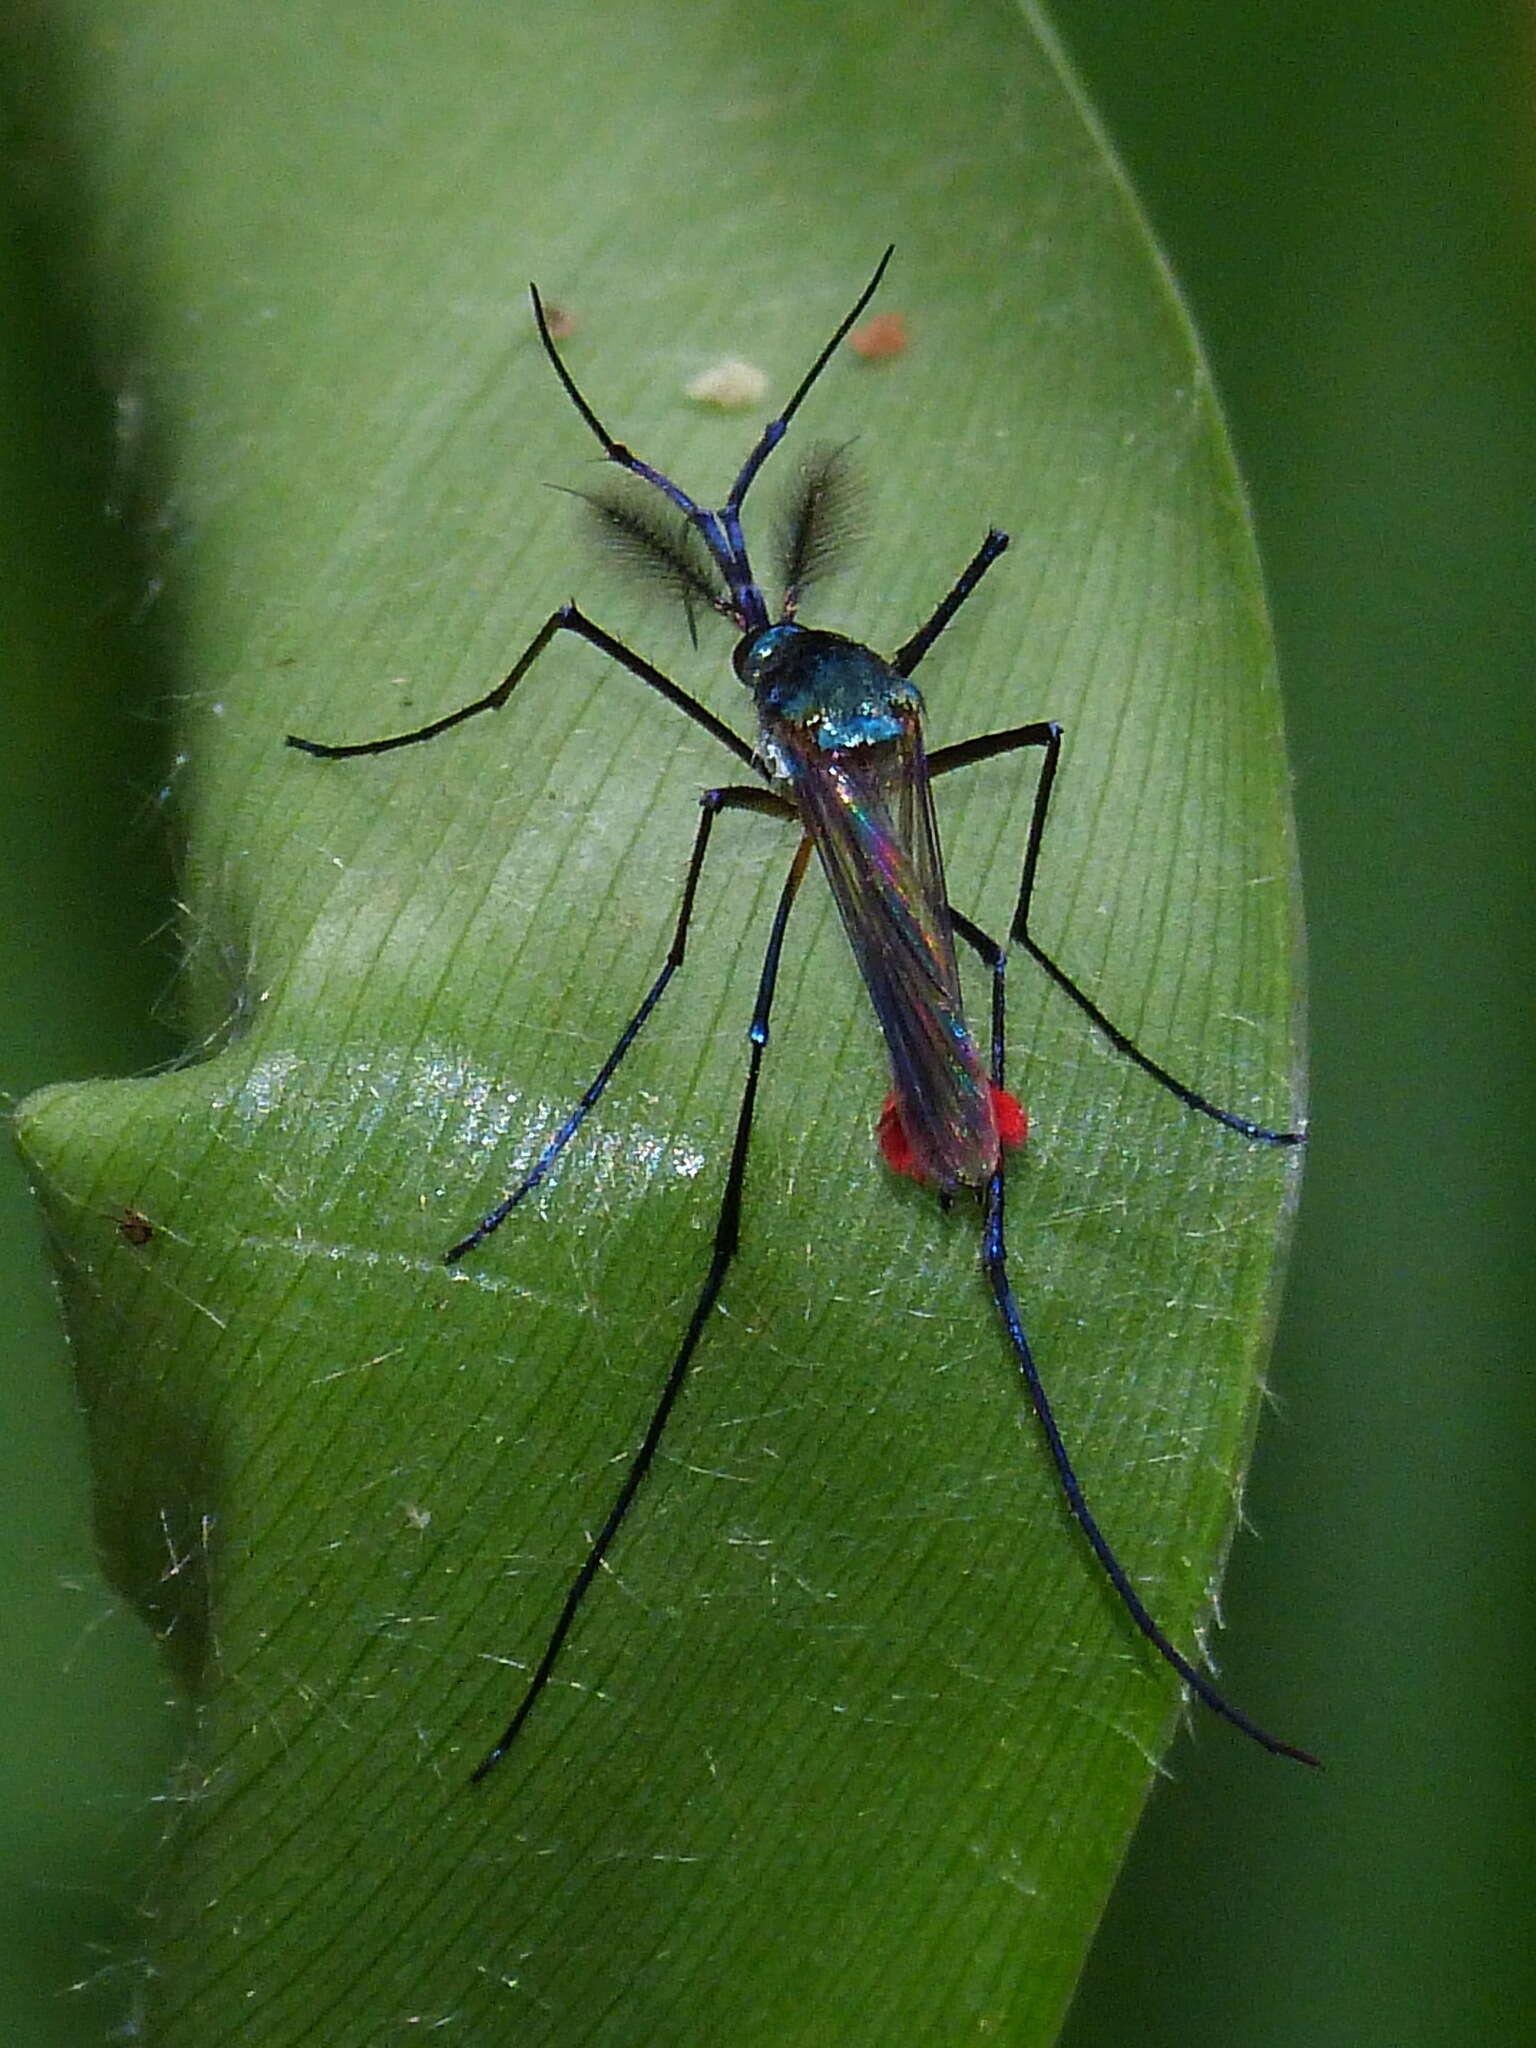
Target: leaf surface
849,1740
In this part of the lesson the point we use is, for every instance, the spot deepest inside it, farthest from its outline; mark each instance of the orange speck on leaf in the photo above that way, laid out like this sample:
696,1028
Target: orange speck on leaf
885,335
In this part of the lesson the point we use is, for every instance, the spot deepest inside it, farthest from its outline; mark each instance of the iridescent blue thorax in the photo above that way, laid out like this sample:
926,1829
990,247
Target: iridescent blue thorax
824,689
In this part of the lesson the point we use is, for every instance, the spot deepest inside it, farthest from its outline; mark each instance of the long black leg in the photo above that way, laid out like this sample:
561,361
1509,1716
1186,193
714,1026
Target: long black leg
911,652
727,1237
568,619
1047,734
712,803
994,1257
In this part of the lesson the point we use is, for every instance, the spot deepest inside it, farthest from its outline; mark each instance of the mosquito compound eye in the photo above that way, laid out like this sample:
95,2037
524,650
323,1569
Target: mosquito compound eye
761,658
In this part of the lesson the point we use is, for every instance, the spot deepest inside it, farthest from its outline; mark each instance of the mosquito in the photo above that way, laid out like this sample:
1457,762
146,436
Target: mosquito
838,754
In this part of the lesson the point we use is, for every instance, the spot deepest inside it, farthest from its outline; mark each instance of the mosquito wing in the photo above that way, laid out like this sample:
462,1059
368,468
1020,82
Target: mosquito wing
869,810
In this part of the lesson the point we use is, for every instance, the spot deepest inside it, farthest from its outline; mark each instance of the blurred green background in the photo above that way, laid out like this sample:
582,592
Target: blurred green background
1346,195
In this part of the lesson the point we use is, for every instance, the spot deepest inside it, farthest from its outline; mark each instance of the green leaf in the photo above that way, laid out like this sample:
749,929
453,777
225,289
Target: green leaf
849,1738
